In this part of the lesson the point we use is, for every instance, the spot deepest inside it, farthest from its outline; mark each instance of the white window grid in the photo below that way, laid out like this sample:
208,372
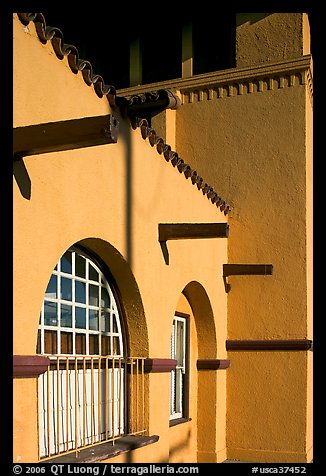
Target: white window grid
111,311
178,352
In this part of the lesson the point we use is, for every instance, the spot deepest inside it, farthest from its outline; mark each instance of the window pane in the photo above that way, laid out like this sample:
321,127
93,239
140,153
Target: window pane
105,298
93,274
93,295
80,340
173,342
66,343
80,317
38,346
66,289
51,290
80,292
105,345
80,265
50,342
93,320
50,313
105,321
66,315
172,393
66,263
178,391
179,351
93,344
114,324
116,346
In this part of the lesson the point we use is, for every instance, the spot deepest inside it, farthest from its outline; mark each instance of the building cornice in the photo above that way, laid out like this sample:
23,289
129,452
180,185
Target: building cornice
236,81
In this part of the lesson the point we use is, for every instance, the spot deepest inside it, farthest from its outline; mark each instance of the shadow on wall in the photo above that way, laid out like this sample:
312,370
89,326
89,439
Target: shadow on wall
24,184
250,17
22,178
127,138
174,450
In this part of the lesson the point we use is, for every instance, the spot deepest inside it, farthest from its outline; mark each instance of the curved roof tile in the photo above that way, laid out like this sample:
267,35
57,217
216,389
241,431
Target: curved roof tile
173,157
61,49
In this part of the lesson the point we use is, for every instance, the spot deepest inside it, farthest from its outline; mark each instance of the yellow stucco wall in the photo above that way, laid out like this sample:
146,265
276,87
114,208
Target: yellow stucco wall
258,152
248,132
268,390
109,198
265,37
259,155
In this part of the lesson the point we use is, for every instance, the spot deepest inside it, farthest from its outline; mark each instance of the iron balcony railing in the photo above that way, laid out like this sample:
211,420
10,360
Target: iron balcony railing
84,401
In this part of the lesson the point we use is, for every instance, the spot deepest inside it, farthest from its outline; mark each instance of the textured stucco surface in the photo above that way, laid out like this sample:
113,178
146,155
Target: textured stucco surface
255,150
264,37
111,199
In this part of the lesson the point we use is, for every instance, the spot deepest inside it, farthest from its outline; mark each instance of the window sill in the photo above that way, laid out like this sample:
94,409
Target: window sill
95,454
178,421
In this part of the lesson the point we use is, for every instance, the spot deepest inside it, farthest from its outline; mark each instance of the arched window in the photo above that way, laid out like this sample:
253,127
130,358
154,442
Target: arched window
82,396
80,314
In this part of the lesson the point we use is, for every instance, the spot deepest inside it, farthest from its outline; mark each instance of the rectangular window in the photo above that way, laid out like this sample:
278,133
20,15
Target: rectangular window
179,379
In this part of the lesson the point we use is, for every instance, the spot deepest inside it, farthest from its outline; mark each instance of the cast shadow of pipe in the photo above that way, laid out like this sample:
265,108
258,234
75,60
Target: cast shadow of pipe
174,450
179,447
22,178
165,252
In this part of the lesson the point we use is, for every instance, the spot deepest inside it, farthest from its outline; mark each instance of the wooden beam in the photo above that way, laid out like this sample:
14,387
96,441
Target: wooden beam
213,364
269,345
30,366
65,135
159,365
247,269
180,231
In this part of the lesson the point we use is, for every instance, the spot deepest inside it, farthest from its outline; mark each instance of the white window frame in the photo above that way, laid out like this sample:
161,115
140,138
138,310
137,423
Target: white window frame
112,311
48,382
179,352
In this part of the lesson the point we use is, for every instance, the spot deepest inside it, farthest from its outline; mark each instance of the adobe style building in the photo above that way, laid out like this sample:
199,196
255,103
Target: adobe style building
163,242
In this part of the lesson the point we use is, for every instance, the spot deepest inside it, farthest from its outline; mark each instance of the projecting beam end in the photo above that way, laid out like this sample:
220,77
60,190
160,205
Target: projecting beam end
184,231
247,269
244,270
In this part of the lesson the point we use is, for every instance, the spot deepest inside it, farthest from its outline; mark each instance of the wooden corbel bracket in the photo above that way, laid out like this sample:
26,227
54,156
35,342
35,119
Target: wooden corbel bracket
64,135
184,231
189,231
244,270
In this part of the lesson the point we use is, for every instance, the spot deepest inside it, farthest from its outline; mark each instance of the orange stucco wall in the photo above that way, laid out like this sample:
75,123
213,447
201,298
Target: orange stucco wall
253,138
248,132
111,198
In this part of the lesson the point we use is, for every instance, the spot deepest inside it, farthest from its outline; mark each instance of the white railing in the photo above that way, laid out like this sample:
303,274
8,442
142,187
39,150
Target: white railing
85,401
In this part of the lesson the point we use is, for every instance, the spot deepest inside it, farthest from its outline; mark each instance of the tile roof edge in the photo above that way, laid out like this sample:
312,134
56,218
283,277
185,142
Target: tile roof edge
171,156
61,49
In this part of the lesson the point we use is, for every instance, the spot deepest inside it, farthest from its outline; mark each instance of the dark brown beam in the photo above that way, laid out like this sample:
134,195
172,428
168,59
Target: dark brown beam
213,364
159,365
180,231
276,345
65,135
30,366
247,269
